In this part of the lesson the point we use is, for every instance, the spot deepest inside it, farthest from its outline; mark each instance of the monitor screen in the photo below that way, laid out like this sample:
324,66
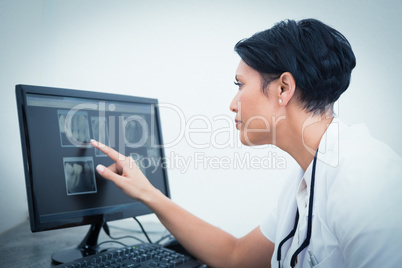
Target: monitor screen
63,187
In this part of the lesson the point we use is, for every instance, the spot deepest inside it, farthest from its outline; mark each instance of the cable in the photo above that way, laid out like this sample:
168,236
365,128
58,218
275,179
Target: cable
127,236
111,241
107,231
143,231
156,232
163,238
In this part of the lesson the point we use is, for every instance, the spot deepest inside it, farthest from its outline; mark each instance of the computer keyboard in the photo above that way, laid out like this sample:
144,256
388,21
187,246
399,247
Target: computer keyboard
138,256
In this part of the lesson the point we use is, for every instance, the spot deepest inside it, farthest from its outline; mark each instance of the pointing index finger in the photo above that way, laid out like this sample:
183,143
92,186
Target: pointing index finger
113,154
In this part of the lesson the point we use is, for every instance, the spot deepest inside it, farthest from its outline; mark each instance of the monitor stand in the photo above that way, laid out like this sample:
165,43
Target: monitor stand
88,246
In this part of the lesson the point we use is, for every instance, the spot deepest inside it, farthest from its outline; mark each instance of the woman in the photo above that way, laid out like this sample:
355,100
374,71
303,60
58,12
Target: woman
341,208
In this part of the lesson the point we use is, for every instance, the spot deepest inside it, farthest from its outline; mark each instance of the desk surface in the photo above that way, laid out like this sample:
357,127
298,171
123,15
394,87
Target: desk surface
19,247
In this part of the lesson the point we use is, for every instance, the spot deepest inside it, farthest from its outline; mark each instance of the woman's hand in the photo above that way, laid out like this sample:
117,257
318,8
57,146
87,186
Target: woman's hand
125,173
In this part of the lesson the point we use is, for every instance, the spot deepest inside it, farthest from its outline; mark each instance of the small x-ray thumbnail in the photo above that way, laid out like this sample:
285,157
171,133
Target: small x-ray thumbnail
135,131
79,174
100,132
74,128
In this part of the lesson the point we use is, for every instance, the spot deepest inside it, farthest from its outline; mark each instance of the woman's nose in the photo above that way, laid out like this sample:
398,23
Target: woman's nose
233,104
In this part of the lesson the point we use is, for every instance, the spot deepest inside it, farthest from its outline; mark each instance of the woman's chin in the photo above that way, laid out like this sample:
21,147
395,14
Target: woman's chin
249,141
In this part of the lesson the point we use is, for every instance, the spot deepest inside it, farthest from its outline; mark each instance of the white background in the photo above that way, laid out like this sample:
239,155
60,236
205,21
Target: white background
181,52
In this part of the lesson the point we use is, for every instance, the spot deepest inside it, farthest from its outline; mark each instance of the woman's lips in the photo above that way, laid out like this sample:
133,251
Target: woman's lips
238,122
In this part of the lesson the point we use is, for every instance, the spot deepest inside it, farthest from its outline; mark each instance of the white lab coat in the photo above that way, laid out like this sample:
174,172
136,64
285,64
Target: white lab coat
357,215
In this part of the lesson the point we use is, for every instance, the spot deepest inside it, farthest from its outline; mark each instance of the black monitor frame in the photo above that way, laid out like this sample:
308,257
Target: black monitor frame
96,217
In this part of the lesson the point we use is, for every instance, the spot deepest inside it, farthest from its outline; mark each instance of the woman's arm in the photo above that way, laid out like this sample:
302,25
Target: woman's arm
208,243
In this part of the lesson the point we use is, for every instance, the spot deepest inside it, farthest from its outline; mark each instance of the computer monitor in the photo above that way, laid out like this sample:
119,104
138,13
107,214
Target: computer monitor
63,187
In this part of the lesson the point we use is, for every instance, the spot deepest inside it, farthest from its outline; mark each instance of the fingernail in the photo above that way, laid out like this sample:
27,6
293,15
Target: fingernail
100,168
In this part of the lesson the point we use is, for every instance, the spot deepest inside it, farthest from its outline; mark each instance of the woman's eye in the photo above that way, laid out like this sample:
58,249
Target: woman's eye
238,84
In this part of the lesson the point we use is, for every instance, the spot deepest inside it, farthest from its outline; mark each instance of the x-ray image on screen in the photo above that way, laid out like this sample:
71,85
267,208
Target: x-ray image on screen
100,132
74,128
79,175
136,132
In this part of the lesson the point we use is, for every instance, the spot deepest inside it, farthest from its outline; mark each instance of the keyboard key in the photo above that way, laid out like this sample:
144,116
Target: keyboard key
153,264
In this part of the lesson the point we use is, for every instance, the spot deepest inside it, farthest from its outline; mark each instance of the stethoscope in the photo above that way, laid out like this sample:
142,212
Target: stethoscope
309,223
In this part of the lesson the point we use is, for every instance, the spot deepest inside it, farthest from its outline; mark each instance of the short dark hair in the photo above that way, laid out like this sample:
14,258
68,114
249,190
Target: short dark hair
319,57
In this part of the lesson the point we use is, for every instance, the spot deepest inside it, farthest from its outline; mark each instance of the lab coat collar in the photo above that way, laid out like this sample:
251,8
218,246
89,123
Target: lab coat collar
328,151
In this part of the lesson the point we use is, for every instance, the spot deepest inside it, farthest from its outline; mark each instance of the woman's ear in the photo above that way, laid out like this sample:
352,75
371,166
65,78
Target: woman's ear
287,84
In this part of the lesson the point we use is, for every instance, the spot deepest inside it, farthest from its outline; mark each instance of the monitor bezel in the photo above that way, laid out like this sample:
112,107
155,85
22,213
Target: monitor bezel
137,209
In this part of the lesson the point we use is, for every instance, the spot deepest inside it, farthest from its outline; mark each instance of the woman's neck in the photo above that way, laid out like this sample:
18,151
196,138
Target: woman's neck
306,134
